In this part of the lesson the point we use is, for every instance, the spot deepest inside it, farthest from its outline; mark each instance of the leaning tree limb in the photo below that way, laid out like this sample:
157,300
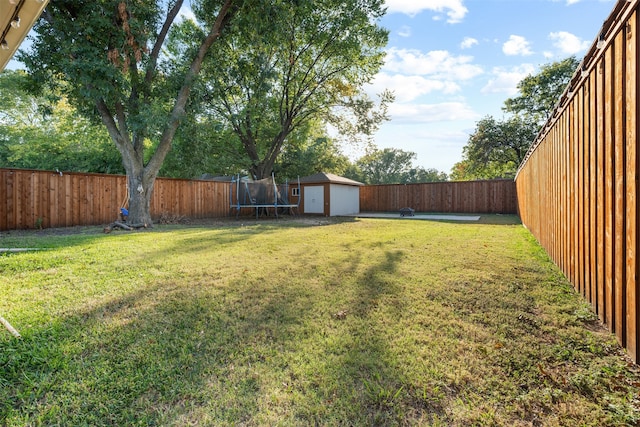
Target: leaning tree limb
9,327
129,227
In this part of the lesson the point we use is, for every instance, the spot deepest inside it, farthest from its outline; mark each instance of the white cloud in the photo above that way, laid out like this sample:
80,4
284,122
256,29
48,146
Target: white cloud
506,80
408,88
186,13
429,113
454,9
468,42
568,43
516,45
437,63
404,31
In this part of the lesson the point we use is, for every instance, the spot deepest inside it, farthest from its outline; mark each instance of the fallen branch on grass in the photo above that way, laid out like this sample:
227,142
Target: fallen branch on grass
9,327
117,224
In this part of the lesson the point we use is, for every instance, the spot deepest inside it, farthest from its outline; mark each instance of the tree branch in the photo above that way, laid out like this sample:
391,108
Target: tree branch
155,51
226,12
121,139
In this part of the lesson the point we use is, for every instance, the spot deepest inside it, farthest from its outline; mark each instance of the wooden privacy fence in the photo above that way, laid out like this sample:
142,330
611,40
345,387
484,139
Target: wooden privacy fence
32,199
495,196
578,187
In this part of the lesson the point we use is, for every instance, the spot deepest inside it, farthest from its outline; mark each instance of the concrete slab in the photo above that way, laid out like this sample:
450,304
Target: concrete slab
432,217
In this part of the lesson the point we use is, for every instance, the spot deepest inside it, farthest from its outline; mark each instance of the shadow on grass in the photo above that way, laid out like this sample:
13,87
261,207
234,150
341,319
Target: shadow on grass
230,230
158,355
313,346
246,353
375,378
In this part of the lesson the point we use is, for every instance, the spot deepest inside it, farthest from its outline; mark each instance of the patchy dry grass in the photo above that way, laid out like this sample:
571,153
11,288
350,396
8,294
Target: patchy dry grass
363,322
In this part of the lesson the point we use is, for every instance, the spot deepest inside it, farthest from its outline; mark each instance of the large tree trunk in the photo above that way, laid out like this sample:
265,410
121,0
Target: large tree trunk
140,177
262,168
140,192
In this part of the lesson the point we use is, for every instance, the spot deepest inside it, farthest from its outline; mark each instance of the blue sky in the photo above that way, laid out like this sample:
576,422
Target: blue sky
452,62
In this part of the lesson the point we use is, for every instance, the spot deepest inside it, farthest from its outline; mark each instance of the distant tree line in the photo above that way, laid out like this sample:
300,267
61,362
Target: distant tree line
45,131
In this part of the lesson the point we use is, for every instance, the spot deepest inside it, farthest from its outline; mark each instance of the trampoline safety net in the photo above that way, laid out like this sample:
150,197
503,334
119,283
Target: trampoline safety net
264,193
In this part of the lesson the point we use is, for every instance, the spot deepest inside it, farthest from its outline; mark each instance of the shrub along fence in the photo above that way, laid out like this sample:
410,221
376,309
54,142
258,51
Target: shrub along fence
578,186
495,196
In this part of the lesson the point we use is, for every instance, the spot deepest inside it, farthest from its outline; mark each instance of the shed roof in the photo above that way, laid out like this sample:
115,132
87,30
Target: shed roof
322,177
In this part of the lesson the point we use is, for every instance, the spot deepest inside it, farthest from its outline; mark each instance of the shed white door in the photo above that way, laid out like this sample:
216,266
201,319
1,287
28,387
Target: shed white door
345,200
314,199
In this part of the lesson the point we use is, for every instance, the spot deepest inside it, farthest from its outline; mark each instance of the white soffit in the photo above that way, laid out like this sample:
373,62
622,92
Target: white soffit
26,12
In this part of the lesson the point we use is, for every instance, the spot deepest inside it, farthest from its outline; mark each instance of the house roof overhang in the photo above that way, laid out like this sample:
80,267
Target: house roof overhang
24,13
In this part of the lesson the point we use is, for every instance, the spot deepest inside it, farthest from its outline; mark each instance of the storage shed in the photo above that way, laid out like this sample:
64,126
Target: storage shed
329,195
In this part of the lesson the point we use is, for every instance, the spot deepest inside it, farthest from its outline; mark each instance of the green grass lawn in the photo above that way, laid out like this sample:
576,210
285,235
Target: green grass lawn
351,322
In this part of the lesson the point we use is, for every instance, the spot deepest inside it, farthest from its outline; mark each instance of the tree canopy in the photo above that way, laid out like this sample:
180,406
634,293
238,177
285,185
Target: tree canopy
539,93
497,147
310,150
268,78
108,56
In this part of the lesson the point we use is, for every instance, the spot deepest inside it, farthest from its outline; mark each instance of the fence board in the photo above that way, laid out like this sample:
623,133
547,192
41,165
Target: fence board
593,177
600,193
620,207
609,194
632,186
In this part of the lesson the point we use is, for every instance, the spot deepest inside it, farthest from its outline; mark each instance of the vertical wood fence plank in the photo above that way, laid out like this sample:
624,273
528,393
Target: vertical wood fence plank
609,196
620,206
581,196
11,201
562,136
593,179
631,187
586,205
4,199
600,193
54,201
575,203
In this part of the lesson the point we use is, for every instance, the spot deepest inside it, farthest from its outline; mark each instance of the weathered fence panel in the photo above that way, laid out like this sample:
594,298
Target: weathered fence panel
495,196
577,190
32,199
